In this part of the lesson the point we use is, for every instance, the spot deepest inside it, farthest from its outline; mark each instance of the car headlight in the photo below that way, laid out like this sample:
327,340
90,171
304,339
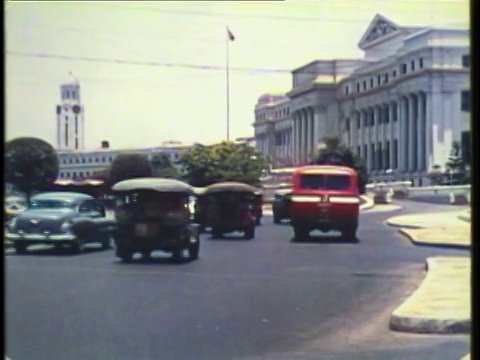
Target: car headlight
12,224
66,226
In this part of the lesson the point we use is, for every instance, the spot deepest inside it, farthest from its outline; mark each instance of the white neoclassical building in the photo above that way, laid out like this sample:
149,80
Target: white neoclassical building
400,107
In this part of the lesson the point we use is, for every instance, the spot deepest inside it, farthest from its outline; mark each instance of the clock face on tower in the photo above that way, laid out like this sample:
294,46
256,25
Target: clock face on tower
76,109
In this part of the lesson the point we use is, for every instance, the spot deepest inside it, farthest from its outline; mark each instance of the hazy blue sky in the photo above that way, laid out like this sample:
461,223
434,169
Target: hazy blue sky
143,105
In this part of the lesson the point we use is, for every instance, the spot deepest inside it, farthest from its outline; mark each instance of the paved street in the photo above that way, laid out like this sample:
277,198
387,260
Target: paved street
265,298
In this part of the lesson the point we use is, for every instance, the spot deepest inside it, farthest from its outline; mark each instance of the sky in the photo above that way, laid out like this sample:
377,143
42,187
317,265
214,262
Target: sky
119,51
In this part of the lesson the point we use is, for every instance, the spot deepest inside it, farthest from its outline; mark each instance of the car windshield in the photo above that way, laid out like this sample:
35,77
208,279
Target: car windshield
325,182
51,204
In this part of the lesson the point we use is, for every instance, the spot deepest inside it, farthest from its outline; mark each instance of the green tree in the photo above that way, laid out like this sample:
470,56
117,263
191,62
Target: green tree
163,167
227,161
128,166
456,164
31,164
333,152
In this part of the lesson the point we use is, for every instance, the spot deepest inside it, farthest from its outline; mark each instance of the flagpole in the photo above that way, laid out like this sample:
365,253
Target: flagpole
228,84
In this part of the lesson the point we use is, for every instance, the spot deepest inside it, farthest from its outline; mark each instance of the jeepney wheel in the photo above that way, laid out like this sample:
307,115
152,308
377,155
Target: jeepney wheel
125,255
20,248
249,232
300,233
276,218
194,249
350,234
216,234
146,255
177,254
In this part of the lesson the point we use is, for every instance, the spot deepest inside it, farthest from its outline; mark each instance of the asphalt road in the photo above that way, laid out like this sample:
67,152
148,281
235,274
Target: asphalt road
265,298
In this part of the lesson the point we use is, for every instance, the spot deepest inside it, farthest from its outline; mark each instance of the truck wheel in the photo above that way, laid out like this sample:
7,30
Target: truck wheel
350,234
249,232
127,257
20,248
194,249
299,233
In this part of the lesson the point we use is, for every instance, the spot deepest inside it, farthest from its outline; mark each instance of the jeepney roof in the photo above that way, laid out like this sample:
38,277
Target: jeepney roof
155,184
326,170
230,186
198,190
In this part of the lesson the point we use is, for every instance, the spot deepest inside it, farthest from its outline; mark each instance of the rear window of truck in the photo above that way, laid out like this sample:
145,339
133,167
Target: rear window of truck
325,182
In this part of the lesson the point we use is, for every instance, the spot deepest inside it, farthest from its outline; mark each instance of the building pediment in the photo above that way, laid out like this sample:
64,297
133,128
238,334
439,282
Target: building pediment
379,29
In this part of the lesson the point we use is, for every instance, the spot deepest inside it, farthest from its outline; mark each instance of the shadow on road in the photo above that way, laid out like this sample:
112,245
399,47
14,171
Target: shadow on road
53,251
325,239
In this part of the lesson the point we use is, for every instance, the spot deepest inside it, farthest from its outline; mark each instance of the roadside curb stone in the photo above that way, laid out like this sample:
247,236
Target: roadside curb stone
441,305
417,239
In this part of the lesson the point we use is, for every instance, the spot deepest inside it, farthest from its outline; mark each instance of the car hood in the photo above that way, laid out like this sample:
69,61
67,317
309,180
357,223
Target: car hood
47,214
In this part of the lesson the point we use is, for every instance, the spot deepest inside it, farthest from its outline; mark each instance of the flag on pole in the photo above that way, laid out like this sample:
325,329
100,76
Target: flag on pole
231,37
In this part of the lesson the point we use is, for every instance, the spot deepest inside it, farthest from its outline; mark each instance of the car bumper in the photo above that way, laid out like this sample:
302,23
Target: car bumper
33,238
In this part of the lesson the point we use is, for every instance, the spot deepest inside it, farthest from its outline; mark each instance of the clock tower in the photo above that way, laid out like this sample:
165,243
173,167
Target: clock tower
70,119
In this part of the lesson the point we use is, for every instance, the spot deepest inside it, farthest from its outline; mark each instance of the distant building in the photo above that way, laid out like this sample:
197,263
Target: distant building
81,164
399,108
70,116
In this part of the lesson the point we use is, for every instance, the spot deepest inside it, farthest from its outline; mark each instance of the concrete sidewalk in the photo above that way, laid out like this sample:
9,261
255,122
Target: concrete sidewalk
442,302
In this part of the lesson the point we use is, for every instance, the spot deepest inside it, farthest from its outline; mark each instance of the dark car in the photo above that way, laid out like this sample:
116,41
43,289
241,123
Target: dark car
60,218
279,206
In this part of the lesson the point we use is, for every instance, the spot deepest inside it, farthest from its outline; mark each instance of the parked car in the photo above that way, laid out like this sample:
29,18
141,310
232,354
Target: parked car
280,205
13,206
60,218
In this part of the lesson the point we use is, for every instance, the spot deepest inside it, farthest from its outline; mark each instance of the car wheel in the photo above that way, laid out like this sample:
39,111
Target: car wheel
250,232
216,234
77,247
300,233
20,248
107,242
146,255
194,248
127,256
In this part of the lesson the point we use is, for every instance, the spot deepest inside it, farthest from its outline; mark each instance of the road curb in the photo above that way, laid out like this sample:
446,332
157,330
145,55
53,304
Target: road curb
417,241
465,217
369,204
400,225
404,319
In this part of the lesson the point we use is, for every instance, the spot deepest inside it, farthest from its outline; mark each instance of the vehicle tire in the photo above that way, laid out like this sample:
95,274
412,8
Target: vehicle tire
107,243
216,234
276,218
20,248
258,221
177,255
126,256
77,247
300,233
146,255
194,249
249,232
350,234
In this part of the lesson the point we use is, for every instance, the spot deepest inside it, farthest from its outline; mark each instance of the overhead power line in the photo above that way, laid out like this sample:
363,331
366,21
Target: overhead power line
147,63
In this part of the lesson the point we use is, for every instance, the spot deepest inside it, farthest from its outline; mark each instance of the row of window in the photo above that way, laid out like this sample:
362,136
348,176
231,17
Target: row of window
385,77
379,156
282,138
278,114
85,160
369,119
67,94
75,174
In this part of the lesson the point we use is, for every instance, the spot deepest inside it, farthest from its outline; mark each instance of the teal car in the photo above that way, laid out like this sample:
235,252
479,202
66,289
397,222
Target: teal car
280,205
60,218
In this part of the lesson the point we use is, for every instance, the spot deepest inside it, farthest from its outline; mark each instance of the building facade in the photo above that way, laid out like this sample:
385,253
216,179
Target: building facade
399,108
70,116
81,164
